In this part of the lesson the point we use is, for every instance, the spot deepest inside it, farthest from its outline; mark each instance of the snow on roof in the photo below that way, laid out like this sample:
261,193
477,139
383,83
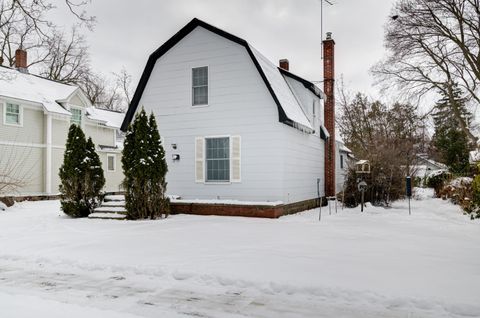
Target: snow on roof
32,88
289,103
432,162
109,118
474,156
344,148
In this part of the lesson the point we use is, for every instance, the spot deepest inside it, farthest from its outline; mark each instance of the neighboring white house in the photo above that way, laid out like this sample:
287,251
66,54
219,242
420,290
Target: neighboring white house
343,162
234,125
35,114
425,166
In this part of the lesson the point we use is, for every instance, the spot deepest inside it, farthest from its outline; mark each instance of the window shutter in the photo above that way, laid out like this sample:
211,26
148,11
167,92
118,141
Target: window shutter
199,159
236,172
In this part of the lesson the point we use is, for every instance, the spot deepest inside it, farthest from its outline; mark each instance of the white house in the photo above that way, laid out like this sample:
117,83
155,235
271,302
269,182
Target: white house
424,166
35,114
234,125
344,161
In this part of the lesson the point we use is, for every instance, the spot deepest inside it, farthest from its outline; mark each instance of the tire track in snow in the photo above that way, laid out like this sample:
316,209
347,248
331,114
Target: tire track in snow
144,292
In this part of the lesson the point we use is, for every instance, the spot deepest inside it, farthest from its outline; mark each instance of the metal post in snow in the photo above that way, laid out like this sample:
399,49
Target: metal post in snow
363,198
320,199
408,185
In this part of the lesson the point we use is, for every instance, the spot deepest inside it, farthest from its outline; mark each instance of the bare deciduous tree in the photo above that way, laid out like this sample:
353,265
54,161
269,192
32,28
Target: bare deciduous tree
23,23
66,58
433,44
388,136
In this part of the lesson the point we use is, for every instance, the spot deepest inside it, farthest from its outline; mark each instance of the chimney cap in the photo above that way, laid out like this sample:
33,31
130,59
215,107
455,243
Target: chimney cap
329,36
284,64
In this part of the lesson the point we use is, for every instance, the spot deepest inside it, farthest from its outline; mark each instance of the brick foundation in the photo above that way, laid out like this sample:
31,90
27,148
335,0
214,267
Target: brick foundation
258,211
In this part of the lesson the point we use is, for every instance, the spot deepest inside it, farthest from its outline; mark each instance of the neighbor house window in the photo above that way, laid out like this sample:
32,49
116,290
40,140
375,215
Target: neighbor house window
218,159
76,116
12,114
111,163
341,161
200,86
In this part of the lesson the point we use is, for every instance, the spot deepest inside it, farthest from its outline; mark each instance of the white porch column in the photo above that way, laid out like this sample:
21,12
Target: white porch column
48,156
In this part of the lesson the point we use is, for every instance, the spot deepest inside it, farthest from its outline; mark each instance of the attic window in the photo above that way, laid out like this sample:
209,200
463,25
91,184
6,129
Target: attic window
76,116
12,114
200,86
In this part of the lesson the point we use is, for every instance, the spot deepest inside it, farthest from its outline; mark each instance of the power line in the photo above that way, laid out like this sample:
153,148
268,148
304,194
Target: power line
321,22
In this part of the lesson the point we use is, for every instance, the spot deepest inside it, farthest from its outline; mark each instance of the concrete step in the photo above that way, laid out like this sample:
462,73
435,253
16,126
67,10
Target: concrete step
107,216
111,209
113,203
114,197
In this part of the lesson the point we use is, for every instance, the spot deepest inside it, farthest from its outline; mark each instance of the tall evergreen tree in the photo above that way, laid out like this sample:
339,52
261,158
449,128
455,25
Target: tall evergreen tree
72,174
94,177
450,141
144,167
158,169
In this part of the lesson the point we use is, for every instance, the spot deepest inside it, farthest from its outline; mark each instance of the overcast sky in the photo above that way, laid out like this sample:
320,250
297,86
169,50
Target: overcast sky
128,31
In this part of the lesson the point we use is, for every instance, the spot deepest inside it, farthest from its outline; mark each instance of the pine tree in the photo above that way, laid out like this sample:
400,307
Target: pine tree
72,174
449,140
144,167
94,177
158,169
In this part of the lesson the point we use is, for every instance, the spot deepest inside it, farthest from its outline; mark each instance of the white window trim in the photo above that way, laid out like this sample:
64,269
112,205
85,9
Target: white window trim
229,159
114,156
208,86
20,114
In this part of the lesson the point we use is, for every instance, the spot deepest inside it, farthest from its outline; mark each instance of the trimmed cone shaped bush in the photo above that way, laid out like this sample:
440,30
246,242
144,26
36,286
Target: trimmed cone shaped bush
81,175
144,167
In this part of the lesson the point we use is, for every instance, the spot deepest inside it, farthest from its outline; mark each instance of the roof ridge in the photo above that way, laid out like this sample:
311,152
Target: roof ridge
38,76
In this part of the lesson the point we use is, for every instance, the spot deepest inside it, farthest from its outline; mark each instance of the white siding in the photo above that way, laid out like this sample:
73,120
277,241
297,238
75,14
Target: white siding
304,164
25,165
277,162
340,174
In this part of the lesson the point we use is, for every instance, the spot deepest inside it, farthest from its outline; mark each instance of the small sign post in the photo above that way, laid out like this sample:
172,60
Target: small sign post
362,186
362,167
409,192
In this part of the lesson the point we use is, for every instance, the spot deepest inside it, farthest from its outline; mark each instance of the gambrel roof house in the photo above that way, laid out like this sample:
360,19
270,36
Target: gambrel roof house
35,114
236,126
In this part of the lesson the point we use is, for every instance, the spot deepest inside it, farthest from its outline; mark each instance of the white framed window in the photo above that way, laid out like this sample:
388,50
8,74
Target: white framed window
12,114
76,116
200,86
111,162
217,157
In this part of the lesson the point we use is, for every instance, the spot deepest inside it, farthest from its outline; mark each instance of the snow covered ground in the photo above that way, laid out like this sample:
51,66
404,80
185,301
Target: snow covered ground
380,263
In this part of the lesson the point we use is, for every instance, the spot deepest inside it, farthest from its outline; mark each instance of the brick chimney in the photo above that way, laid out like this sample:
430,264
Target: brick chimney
329,112
283,63
21,60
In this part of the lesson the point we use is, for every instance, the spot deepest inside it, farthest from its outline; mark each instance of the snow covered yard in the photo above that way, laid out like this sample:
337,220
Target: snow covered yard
382,263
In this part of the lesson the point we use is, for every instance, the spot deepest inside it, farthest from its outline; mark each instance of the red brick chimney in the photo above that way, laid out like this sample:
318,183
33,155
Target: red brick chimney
21,60
329,112
283,63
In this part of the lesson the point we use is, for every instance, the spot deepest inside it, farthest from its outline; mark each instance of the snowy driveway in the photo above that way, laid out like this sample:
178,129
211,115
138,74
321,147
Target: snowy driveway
376,264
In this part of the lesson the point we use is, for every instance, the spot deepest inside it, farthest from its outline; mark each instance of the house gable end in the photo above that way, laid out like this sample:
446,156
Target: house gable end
171,43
